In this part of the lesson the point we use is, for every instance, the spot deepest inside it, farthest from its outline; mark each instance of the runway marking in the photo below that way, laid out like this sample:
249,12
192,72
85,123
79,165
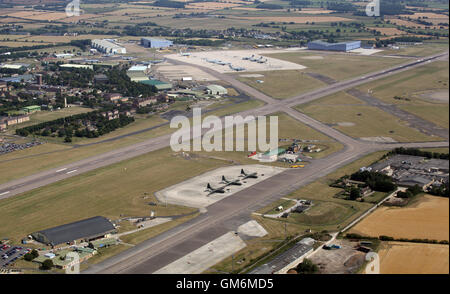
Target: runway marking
4,193
60,170
72,171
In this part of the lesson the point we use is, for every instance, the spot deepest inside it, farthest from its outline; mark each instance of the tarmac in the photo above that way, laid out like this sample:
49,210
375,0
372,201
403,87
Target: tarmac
193,192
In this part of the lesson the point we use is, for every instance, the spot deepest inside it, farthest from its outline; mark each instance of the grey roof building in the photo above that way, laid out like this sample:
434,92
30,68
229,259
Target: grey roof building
90,228
284,259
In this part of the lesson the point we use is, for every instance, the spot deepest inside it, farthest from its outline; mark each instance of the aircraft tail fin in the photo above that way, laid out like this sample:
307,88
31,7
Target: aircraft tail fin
209,186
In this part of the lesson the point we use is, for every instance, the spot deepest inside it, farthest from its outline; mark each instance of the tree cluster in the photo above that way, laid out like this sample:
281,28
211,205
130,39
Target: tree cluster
376,181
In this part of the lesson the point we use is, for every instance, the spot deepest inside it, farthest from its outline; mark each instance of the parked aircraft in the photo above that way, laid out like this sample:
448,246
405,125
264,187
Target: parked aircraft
236,68
236,182
212,190
245,175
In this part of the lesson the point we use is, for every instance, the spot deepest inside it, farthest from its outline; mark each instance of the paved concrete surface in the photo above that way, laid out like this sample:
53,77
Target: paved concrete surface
206,256
194,193
252,229
236,59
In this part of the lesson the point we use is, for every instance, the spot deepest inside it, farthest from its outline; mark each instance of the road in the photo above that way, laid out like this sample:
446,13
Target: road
235,210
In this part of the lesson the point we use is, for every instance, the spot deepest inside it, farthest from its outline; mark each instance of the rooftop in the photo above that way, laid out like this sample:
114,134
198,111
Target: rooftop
86,228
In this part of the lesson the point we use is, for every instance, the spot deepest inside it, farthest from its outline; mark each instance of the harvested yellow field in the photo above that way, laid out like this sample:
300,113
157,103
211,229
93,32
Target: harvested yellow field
388,31
211,5
434,18
314,11
425,14
410,24
299,19
24,14
78,18
413,258
426,219
47,16
16,44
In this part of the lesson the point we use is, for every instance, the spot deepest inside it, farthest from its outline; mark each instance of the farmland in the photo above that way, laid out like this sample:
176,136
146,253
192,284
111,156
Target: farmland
427,218
413,258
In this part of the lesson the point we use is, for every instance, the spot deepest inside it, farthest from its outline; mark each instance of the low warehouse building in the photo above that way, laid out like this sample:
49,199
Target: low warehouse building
216,90
156,43
342,46
108,46
159,85
87,229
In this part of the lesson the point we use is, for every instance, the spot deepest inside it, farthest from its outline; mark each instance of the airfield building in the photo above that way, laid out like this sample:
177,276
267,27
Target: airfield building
108,46
216,90
342,46
156,43
87,229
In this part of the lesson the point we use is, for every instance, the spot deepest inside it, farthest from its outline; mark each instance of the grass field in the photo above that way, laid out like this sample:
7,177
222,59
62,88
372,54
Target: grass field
427,218
323,213
413,258
288,128
30,161
417,85
361,120
418,50
408,84
283,83
338,66
111,191
437,114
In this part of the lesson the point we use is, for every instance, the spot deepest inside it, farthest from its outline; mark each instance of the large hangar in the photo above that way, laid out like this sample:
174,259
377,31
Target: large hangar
342,46
88,229
156,43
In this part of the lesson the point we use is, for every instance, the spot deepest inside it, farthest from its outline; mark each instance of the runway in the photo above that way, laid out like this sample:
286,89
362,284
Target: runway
25,184
235,210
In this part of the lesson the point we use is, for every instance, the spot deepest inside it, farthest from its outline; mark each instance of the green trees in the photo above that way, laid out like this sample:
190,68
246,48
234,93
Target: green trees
376,181
76,124
418,152
47,264
306,267
355,193
410,192
31,255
